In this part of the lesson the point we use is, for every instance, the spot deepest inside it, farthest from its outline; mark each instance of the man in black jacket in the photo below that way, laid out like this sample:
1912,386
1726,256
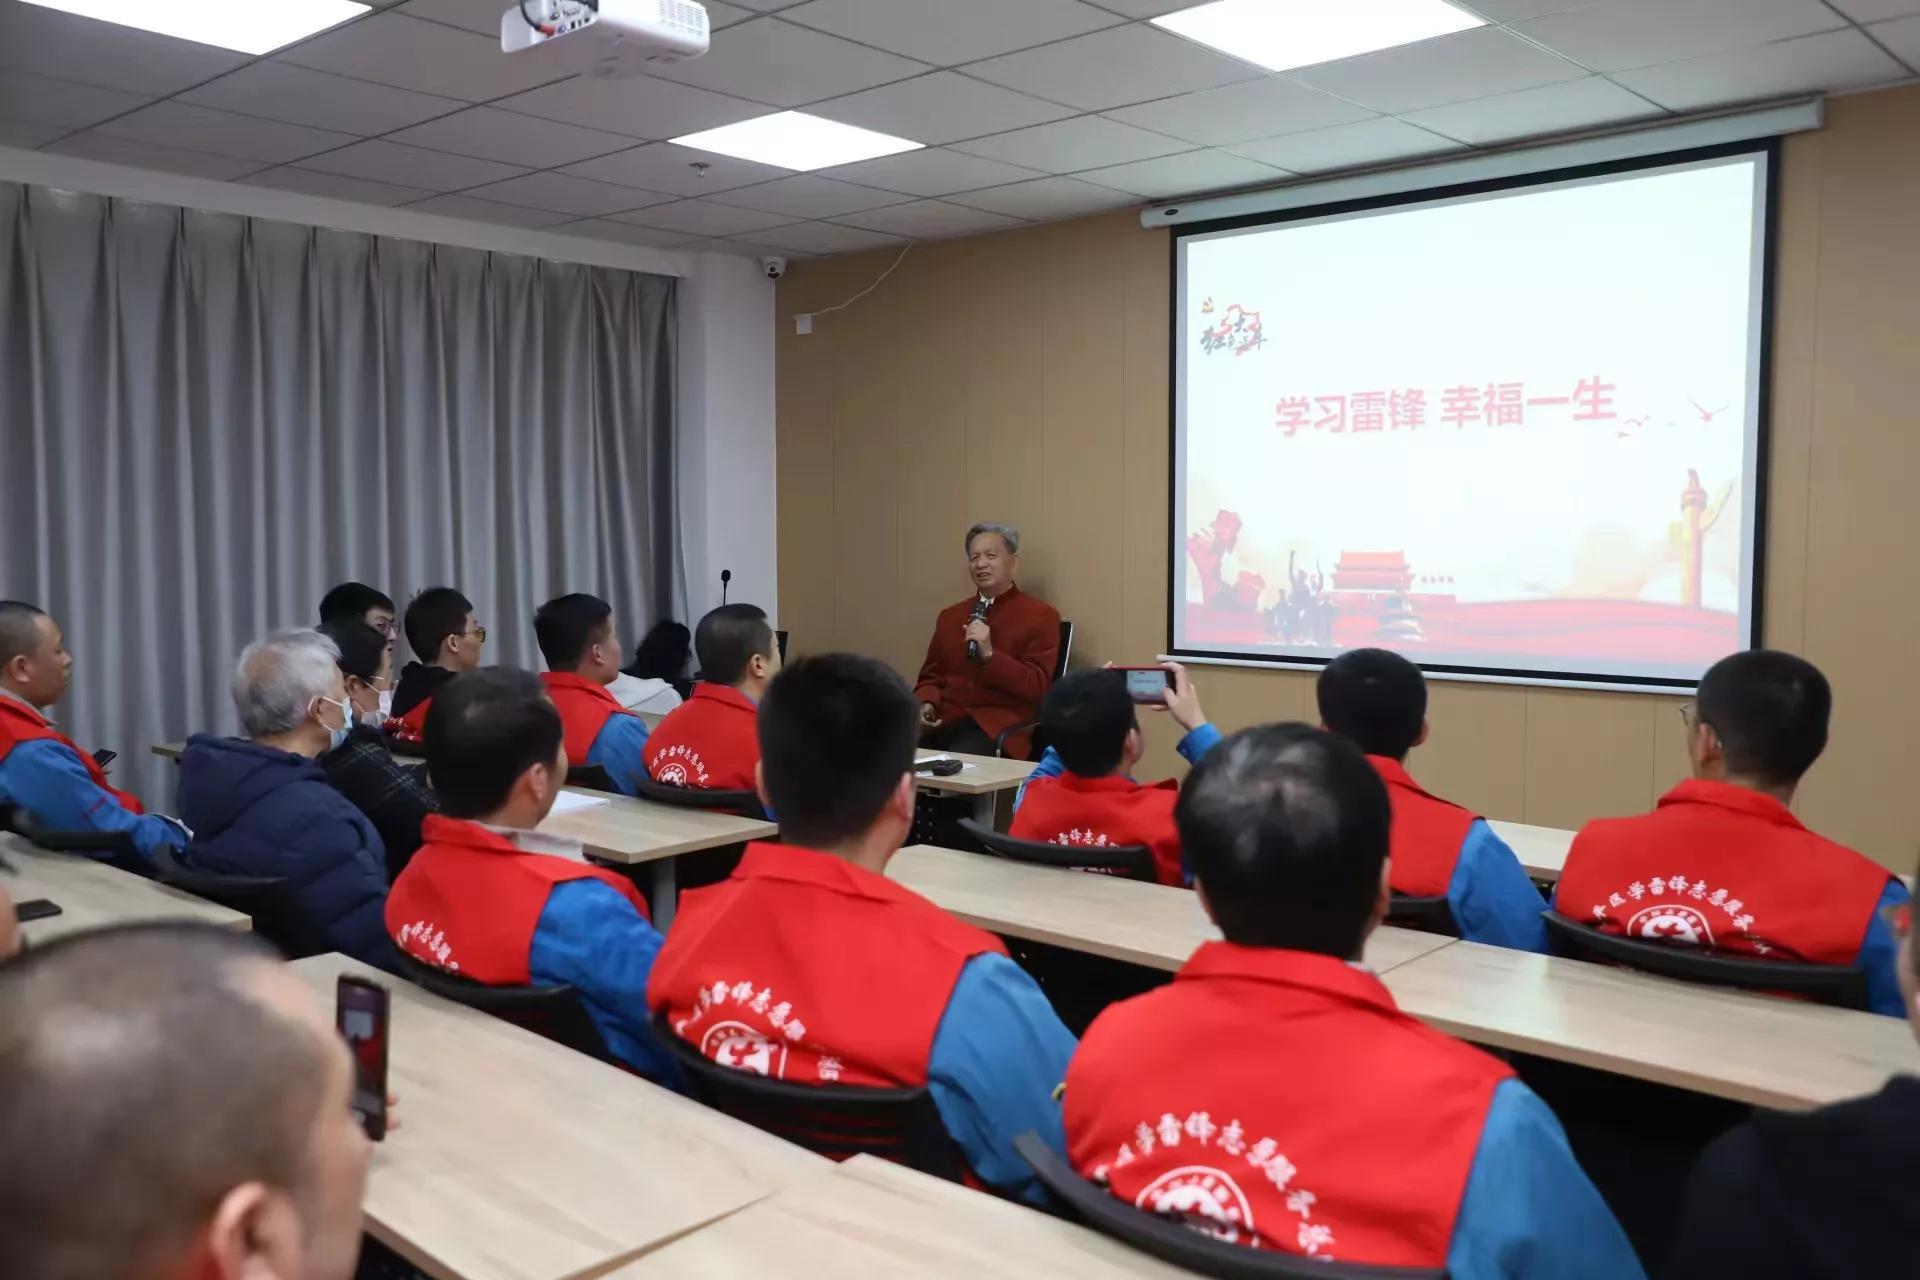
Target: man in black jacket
1828,1193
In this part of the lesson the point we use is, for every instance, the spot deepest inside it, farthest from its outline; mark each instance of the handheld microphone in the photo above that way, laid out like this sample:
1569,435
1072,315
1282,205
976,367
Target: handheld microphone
979,615
726,576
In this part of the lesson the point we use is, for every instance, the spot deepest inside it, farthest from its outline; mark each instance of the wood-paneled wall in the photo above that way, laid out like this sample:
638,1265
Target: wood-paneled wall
1023,376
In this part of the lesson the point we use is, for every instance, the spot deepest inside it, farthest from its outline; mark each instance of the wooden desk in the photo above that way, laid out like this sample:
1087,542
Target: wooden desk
91,894
984,778
520,1160
631,832
1145,924
871,1218
1750,1048
1541,850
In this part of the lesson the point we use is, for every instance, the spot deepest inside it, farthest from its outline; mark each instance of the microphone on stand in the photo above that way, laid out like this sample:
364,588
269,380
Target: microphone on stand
979,615
726,576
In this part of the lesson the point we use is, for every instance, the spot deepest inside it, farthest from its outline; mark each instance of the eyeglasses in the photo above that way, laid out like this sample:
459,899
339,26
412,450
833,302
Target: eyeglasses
478,633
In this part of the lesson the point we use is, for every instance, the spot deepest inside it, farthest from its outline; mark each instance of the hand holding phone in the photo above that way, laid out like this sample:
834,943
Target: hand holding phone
361,1014
1147,686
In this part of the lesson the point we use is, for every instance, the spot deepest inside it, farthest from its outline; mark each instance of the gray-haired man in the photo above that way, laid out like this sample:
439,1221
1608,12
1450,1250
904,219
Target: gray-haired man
262,805
992,655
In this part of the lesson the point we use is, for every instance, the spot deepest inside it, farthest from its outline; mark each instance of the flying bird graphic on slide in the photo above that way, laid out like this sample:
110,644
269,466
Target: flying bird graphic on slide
1708,415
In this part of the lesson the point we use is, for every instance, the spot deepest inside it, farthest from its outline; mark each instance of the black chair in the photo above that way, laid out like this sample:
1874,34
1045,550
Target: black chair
1428,915
1035,747
591,777
742,802
553,1012
780,637
1170,1241
1128,861
1842,985
836,1121
114,848
263,898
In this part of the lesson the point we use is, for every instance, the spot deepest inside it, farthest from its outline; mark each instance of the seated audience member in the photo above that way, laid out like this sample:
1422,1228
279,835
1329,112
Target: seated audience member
711,743
1083,792
654,697
663,654
1274,1094
487,897
1818,1195
393,796
358,602
1722,863
42,772
1378,701
173,1103
262,805
445,641
811,966
581,644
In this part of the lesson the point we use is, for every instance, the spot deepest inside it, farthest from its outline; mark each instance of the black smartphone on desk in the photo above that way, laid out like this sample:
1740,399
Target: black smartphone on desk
361,1011
35,909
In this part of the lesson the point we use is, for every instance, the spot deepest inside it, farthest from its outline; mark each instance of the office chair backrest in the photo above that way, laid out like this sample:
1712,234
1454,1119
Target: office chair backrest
1066,649
1128,861
780,638
1842,985
276,916
553,1012
837,1121
1181,1245
1428,915
744,802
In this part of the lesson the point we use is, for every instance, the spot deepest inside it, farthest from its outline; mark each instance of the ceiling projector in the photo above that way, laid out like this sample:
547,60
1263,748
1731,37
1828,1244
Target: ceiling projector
605,38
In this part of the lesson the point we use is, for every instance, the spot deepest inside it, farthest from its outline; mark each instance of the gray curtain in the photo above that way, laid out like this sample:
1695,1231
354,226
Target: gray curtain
210,419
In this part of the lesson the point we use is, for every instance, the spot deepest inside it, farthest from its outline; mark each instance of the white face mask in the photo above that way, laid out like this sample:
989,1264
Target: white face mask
339,735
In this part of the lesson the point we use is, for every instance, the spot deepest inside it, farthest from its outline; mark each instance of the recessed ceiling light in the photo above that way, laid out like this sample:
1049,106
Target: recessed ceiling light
796,140
1283,34
248,27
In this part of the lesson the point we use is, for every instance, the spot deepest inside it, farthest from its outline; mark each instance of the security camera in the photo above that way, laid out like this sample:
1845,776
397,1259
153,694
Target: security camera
774,267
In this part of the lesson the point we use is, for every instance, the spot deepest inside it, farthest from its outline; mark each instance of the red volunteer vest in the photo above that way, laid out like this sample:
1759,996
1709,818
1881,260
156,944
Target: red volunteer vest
1103,812
804,967
20,723
584,709
709,742
1280,1099
1719,866
1428,832
469,901
416,720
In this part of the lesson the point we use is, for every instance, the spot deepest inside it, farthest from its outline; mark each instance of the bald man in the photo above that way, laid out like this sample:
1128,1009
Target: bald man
173,1102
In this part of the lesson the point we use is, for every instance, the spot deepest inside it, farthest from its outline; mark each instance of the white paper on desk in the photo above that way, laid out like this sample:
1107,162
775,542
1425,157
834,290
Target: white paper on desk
569,801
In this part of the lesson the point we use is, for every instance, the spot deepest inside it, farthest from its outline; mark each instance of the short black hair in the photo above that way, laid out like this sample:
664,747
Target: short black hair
837,733
143,1076
729,638
1086,716
1770,710
361,647
350,601
663,653
484,729
432,616
1375,699
566,626
1286,829
19,629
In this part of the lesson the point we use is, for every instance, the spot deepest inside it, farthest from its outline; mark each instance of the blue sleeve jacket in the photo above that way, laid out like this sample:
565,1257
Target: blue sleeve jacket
621,749
1529,1211
47,780
998,1059
591,939
1492,898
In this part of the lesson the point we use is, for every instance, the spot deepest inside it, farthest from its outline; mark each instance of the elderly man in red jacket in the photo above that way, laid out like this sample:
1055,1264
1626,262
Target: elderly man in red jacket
992,655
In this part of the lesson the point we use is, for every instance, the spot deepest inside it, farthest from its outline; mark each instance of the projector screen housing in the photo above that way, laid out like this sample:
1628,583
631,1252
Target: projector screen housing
1514,429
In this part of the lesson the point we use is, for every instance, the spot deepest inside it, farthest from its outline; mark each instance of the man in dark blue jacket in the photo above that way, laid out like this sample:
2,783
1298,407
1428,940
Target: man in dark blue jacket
262,806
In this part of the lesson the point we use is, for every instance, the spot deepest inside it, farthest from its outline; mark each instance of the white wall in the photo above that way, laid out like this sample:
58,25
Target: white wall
726,470
726,403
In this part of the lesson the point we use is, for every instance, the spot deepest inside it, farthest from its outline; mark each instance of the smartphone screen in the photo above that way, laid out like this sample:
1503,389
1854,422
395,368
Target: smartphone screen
360,1012
1147,684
